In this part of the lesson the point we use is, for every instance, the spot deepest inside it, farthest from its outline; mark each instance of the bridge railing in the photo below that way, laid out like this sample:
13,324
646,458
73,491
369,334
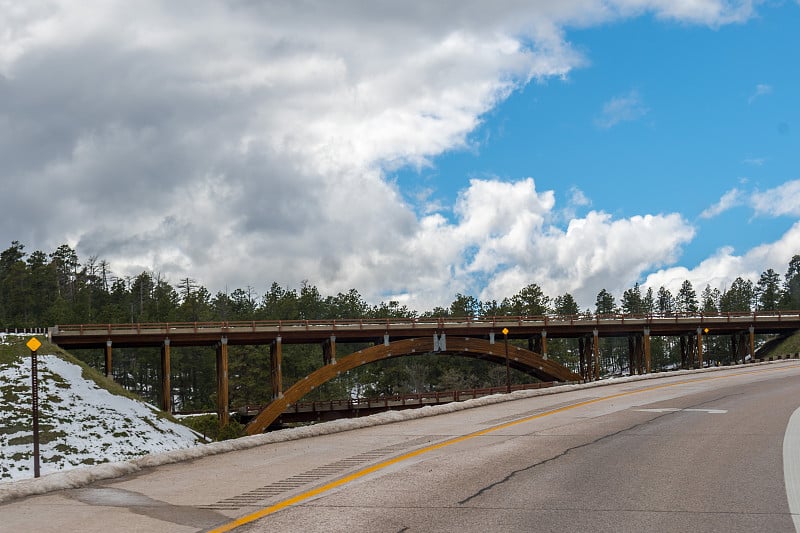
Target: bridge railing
399,400
144,328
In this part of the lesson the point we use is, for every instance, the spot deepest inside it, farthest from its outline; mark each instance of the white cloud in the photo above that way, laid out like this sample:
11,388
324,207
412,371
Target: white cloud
722,268
783,200
578,198
710,12
729,200
760,90
505,232
248,142
625,108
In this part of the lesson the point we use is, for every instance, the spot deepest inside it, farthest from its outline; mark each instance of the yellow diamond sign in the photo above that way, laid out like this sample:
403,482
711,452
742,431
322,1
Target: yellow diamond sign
33,344
505,331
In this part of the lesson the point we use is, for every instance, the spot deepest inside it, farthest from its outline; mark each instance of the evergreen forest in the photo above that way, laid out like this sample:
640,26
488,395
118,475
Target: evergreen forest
40,289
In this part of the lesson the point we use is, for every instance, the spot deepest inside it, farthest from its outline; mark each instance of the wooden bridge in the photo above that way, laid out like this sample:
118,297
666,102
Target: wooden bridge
394,337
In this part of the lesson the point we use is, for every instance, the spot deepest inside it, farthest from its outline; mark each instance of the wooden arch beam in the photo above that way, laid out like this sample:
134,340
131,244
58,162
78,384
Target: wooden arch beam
519,358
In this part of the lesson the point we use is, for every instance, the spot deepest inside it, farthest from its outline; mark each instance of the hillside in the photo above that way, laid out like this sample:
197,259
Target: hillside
780,346
84,418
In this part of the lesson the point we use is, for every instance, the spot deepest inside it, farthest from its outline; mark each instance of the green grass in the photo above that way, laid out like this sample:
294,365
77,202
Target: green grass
16,351
780,347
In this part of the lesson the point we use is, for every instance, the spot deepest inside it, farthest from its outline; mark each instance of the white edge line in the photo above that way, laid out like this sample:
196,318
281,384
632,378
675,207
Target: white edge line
791,466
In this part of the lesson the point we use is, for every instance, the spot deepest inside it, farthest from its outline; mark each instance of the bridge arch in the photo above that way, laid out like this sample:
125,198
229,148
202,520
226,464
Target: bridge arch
519,358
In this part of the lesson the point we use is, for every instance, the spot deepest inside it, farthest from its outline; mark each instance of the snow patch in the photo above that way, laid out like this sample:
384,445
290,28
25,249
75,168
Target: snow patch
80,423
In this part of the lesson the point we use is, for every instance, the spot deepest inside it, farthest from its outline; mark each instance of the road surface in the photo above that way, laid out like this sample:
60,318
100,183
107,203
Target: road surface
699,452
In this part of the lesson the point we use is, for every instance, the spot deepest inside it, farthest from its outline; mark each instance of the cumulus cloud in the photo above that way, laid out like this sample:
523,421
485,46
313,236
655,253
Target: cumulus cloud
729,200
240,143
720,269
625,108
783,200
507,235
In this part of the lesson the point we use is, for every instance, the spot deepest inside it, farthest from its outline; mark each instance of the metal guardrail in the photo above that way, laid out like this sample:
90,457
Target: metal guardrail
24,331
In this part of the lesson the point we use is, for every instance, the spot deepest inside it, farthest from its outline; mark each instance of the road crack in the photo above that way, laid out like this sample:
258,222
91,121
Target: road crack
578,447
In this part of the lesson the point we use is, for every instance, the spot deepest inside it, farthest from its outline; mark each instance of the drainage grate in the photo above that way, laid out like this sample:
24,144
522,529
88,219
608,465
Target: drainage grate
256,496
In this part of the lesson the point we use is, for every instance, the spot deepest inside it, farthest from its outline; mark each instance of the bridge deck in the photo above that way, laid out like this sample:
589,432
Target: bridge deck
369,330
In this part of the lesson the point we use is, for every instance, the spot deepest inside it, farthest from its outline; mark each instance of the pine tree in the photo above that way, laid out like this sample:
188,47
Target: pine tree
665,302
604,304
686,301
768,291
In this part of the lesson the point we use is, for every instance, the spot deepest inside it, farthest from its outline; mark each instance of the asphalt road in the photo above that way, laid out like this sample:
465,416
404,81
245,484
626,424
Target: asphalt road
703,452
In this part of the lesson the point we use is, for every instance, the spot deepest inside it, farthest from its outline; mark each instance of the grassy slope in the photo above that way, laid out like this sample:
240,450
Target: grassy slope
780,346
17,350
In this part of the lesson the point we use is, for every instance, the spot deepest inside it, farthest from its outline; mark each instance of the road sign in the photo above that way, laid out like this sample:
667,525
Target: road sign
33,344
505,331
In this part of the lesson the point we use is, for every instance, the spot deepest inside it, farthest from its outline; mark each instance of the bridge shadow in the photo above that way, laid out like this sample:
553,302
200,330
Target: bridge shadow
518,358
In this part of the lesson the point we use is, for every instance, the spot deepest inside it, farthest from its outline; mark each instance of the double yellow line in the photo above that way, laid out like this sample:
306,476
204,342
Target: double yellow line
266,511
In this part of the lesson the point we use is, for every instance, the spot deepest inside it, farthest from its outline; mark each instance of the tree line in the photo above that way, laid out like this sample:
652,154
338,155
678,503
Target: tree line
39,289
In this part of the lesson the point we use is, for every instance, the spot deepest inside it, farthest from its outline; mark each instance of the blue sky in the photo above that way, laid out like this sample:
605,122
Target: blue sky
411,151
663,117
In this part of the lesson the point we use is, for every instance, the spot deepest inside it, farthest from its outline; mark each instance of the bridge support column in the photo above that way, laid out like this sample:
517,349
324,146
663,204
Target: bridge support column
636,354
222,381
752,331
596,350
535,344
166,384
646,348
544,345
740,346
700,347
275,358
329,351
688,349
586,351
108,358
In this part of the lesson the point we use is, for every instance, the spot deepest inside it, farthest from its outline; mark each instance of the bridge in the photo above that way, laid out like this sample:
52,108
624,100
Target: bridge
477,337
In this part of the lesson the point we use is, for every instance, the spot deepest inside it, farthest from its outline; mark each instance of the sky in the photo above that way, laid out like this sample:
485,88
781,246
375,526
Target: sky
412,151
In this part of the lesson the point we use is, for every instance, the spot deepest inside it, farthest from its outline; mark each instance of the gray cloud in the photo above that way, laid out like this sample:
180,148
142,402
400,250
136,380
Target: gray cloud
245,142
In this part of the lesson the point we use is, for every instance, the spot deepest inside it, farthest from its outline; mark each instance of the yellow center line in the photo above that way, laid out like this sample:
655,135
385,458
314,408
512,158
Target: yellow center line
455,440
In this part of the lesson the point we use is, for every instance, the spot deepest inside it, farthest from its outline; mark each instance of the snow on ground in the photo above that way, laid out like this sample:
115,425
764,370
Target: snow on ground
80,424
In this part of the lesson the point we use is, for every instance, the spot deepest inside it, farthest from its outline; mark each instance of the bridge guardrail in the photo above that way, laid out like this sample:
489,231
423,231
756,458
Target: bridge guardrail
420,398
444,323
